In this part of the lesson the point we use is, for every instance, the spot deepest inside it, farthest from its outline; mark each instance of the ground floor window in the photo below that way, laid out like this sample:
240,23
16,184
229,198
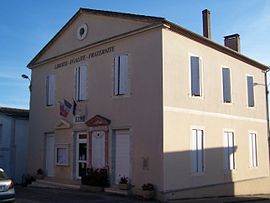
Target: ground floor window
62,154
229,150
253,149
197,152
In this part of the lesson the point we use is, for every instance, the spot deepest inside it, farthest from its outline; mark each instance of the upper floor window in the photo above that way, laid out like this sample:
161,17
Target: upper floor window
195,75
226,85
121,75
253,149
81,83
250,91
229,159
50,90
197,151
1,134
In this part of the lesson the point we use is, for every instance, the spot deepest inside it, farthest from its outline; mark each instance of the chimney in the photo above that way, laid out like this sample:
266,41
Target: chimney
233,42
206,23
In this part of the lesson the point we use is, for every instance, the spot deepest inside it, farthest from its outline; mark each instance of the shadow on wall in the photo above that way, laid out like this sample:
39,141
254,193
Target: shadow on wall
202,172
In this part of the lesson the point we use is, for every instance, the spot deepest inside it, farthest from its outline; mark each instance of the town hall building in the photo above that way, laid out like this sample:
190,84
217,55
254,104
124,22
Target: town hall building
151,101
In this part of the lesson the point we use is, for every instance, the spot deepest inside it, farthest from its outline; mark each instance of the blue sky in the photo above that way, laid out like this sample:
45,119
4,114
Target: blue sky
26,26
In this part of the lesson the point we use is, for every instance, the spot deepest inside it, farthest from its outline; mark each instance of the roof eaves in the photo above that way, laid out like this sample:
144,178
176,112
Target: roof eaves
54,38
203,40
13,112
123,15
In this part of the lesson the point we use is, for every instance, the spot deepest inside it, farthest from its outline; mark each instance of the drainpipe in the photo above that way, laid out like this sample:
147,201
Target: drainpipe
267,108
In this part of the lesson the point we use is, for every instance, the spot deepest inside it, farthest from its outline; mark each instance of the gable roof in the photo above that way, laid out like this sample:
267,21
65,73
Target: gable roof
154,21
150,19
13,112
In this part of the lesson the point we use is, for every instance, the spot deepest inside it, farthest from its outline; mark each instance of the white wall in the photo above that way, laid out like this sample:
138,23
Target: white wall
21,143
5,144
13,146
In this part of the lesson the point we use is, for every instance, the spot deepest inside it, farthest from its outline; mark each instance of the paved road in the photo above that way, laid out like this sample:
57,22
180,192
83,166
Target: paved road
46,195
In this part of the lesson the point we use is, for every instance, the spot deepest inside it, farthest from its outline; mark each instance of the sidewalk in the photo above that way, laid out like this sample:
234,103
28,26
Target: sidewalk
256,198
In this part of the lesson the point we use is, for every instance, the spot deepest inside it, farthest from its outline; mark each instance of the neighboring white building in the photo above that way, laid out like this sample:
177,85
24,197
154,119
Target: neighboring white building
14,124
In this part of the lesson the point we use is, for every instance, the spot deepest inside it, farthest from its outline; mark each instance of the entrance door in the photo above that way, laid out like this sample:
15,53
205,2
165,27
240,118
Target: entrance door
122,156
81,155
50,155
98,149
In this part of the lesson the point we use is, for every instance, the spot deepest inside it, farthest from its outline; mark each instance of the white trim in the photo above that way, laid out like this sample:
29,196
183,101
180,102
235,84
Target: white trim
212,114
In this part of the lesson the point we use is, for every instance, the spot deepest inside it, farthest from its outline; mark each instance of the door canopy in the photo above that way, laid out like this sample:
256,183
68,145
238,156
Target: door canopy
97,120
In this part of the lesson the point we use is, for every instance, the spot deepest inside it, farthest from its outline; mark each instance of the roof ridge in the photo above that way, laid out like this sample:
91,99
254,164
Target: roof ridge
115,13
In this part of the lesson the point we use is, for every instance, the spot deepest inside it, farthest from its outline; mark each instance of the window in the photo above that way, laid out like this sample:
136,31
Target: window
81,83
195,74
50,90
229,159
197,151
1,134
253,149
250,91
226,85
62,155
121,75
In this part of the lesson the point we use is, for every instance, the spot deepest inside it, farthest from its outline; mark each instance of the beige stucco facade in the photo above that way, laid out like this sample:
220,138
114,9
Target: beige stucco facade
158,112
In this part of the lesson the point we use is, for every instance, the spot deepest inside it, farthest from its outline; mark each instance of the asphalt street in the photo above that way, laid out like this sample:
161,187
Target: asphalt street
49,195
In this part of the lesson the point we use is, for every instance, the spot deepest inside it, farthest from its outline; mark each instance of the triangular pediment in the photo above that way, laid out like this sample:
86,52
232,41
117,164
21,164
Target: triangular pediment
97,121
62,124
100,25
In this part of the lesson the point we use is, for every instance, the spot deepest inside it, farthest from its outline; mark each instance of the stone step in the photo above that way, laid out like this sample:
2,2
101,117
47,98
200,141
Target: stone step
116,190
53,184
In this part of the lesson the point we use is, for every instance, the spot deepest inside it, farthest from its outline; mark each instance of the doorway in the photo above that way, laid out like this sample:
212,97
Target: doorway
81,157
49,165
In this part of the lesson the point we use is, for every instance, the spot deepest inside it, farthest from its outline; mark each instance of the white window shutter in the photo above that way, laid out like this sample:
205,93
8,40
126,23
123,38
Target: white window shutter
255,161
200,150
77,83
231,150
82,83
250,151
50,88
116,75
194,151
123,89
226,151
253,150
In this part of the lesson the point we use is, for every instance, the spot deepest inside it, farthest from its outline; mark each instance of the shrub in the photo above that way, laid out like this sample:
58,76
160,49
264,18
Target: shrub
148,187
96,177
123,180
40,171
